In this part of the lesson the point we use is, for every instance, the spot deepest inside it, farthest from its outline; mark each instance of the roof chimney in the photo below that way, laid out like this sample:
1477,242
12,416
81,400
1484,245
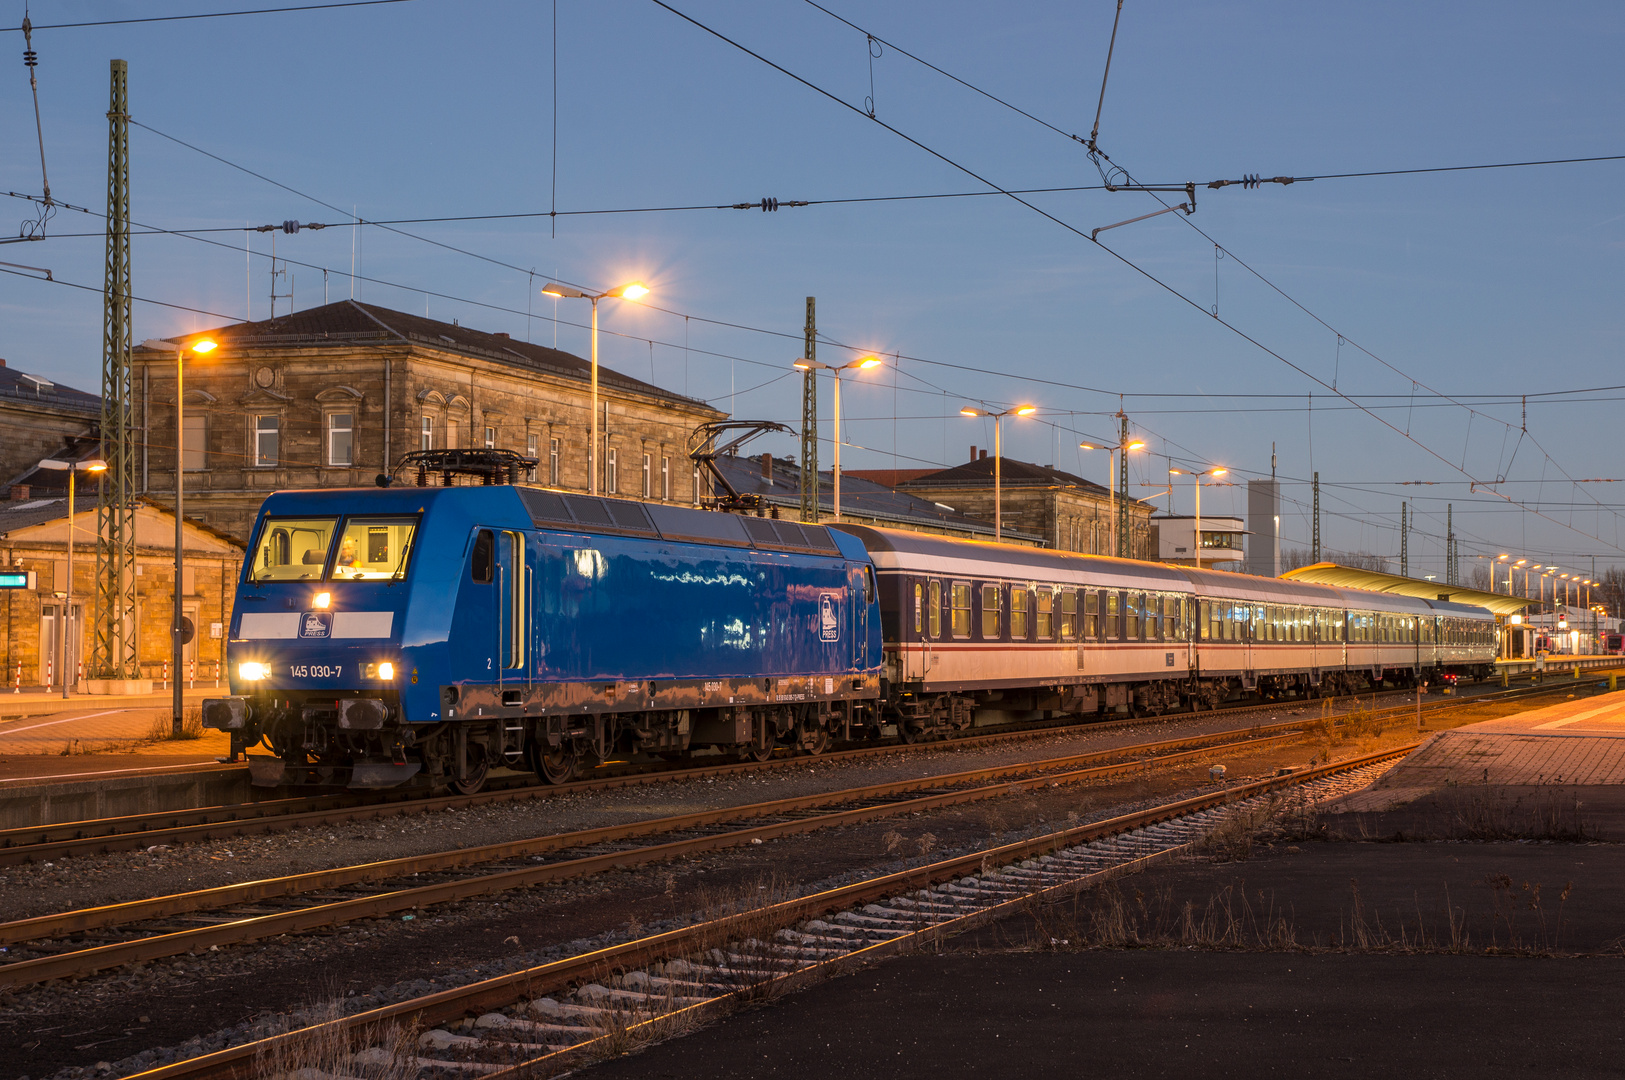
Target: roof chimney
499,334
984,455
767,467
2,363
973,451
19,493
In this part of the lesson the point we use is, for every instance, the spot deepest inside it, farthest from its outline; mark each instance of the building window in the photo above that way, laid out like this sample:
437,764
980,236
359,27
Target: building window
452,435
648,476
266,427
665,478
428,433
611,468
194,442
341,438
553,462
490,438
530,452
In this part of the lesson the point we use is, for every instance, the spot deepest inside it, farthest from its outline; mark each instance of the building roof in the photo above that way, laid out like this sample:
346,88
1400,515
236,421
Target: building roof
29,513
1013,473
860,497
888,477
20,386
350,322
1348,577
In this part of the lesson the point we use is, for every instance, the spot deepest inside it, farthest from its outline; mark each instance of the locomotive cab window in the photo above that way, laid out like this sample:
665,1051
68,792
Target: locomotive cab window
869,585
374,548
482,566
292,549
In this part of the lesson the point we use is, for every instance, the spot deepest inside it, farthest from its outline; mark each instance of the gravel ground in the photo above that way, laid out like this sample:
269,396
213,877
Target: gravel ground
114,1024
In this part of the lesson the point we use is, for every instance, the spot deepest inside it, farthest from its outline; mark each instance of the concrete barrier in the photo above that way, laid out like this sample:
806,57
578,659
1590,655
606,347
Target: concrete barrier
23,805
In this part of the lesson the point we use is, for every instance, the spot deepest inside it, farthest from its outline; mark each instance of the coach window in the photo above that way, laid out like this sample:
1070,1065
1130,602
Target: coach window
1046,613
1113,629
1171,613
961,609
919,608
1069,615
1131,617
1091,616
1202,630
1018,612
990,612
936,609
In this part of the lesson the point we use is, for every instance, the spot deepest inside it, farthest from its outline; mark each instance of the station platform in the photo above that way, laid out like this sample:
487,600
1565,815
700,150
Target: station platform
1576,748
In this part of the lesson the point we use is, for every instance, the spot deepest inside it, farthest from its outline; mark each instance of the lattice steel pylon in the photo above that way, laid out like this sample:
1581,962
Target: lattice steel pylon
1121,523
114,652
1314,544
809,418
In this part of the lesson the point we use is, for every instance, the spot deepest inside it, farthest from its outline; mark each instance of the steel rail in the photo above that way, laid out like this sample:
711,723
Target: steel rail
239,1062
128,832
81,962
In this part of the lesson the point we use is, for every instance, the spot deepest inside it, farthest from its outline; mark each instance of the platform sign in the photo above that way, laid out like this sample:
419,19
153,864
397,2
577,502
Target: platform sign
17,579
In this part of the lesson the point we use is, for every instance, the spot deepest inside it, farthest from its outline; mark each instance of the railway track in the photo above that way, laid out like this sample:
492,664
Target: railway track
547,1019
79,943
130,832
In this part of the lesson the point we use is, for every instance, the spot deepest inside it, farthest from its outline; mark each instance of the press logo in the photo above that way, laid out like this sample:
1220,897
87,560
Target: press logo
316,624
829,620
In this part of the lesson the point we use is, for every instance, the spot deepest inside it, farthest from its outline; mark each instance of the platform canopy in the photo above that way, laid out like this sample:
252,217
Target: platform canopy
1348,577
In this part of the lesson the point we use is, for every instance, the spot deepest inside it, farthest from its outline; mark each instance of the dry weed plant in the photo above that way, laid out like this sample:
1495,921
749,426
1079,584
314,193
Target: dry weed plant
163,730
324,1049
1107,917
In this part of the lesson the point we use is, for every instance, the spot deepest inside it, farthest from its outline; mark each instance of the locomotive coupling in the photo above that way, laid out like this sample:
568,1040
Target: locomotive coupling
225,713
362,714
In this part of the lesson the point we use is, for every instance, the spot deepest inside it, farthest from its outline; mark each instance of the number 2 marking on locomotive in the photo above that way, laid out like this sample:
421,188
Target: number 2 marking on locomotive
487,663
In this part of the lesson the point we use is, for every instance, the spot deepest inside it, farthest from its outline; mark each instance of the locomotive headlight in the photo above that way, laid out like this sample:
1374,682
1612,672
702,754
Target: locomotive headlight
383,670
323,600
253,671
386,670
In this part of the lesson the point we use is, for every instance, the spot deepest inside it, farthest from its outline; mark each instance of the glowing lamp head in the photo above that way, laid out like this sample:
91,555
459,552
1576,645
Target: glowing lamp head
1087,446
1217,472
968,411
253,671
386,670
204,346
95,465
802,365
635,291
867,363
1025,410
322,601
1175,472
1135,446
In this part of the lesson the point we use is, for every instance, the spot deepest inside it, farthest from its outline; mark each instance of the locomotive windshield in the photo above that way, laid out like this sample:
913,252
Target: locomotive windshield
292,549
364,549
372,548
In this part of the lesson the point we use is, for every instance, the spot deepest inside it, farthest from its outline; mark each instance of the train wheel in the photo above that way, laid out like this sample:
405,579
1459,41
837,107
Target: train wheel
475,779
760,753
814,741
556,765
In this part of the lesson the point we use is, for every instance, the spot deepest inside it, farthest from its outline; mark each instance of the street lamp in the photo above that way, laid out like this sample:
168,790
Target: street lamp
1111,487
1197,476
632,290
998,452
200,346
73,468
862,364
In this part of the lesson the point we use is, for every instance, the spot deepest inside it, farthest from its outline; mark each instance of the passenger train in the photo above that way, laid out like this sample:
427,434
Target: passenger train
427,635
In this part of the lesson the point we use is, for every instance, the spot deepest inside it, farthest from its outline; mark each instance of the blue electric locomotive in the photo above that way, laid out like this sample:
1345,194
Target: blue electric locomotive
431,634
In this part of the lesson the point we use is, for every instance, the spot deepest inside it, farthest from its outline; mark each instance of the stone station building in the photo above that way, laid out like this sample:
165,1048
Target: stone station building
334,395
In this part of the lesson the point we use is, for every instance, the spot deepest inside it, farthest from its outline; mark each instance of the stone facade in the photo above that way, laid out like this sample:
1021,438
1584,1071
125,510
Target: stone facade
335,395
34,536
42,419
1069,512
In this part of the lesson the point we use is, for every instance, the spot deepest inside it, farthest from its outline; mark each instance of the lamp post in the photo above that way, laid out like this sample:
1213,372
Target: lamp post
1124,447
73,468
632,290
998,454
1197,477
176,630
865,363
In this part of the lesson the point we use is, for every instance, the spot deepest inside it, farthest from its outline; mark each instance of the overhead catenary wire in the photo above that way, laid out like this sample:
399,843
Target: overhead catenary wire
209,15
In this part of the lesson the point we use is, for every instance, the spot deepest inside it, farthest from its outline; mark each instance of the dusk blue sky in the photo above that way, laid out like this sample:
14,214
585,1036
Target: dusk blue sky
1484,286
